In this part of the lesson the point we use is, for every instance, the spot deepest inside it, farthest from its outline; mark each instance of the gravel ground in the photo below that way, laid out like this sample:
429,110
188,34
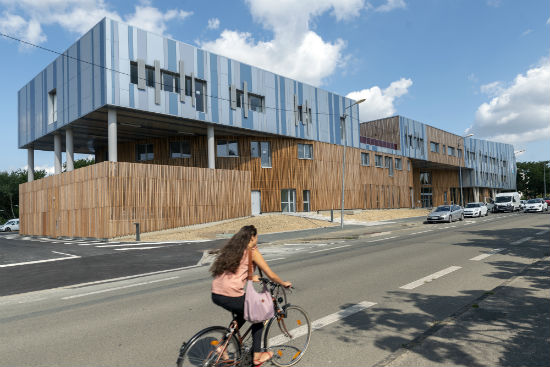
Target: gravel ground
269,223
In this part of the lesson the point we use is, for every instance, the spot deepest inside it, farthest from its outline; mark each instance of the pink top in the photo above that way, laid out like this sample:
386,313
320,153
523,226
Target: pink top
232,285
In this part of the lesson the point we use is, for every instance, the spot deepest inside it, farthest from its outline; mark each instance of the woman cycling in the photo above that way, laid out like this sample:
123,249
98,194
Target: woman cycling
230,271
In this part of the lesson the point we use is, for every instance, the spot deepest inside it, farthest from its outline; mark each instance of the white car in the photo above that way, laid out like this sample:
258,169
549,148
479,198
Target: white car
535,205
475,210
10,225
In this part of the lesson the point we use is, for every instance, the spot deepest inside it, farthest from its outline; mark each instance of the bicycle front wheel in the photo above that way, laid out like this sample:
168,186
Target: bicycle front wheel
287,336
210,348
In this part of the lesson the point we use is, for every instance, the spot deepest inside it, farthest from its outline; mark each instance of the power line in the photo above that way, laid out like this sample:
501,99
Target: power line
65,54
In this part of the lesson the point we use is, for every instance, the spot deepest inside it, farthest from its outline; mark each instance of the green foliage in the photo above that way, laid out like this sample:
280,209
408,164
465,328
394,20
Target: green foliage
79,163
530,179
9,191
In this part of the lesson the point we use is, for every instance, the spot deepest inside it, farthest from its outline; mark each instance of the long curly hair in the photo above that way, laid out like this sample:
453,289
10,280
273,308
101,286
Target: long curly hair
230,255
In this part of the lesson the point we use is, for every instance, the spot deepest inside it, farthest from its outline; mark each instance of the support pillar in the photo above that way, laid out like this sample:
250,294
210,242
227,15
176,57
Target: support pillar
57,153
30,164
211,146
112,134
69,149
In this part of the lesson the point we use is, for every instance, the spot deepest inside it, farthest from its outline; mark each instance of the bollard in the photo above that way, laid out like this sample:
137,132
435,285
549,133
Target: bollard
137,231
331,215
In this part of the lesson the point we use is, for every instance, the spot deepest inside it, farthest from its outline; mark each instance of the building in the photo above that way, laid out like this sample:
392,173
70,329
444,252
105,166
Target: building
183,136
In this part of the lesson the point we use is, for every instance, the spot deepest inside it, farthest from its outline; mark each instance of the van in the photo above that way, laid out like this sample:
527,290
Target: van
507,202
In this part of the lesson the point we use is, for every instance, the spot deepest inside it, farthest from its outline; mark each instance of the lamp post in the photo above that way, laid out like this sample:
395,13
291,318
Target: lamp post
460,168
343,123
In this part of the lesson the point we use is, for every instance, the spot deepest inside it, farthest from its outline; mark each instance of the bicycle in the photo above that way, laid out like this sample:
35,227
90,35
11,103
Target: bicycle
287,335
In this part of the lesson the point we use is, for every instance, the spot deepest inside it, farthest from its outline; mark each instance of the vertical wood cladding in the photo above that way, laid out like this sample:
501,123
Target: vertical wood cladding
106,199
386,129
444,139
442,181
365,187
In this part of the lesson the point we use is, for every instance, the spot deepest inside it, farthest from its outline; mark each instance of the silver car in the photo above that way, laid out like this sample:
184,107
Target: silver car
446,213
10,225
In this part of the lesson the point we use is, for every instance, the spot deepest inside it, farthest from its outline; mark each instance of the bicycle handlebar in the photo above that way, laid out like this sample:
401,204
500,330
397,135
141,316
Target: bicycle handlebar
273,284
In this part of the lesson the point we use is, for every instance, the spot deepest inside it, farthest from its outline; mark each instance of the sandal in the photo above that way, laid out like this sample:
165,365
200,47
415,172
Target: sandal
259,362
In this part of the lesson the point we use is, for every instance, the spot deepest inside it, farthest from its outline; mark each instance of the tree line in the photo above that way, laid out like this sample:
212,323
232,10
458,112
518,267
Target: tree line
531,177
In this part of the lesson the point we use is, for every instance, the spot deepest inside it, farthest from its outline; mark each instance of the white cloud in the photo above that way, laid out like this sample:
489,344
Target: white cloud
526,32
494,3
213,23
391,5
380,103
27,17
295,50
518,112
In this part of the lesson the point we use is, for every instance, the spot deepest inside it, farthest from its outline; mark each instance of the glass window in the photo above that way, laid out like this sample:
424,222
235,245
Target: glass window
255,102
232,148
306,201
188,86
222,148
425,178
52,106
365,159
305,151
408,165
133,73
265,150
378,162
254,149
144,152
389,164
434,147
398,164
240,97
150,76
167,82
451,151
200,101
180,149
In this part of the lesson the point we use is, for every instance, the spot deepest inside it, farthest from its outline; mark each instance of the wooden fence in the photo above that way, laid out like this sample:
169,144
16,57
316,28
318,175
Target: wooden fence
106,199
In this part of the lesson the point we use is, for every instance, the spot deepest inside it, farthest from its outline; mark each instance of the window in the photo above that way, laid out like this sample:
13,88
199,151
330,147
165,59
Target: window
300,117
434,147
389,165
451,151
306,201
133,72
408,165
188,86
227,148
305,151
255,102
261,149
288,201
180,149
144,152
150,76
365,159
378,162
425,178
170,81
398,164
52,106
445,197
200,91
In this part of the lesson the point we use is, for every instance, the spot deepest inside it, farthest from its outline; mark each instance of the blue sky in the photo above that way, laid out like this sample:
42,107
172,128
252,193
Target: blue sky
466,66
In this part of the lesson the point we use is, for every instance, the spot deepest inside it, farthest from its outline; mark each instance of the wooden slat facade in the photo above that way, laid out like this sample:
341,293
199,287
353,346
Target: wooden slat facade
445,139
386,129
106,199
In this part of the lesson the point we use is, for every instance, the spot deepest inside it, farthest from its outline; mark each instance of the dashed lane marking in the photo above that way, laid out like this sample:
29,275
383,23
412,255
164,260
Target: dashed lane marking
518,242
542,232
331,248
137,248
484,256
68,257
431,277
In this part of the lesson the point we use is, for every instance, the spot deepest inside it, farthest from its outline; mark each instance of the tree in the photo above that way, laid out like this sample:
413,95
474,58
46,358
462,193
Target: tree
530,178
9,191
79,163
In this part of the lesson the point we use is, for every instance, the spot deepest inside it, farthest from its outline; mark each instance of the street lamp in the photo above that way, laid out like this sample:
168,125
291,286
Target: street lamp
343,122
460,167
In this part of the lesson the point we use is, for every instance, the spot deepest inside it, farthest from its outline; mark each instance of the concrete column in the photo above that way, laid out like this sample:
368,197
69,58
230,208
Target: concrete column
476,194
57,153
112,134
69,149
30,164
211,147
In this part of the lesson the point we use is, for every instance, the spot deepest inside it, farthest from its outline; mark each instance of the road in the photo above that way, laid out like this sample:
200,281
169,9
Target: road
406,279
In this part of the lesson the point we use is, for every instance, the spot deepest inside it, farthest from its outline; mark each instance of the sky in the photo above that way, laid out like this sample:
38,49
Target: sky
465,66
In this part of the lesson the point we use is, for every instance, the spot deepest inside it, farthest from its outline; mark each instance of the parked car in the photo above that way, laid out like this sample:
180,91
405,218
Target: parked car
446,213
535,205
475,210
507,202
490,203
547,200
522,204
10,225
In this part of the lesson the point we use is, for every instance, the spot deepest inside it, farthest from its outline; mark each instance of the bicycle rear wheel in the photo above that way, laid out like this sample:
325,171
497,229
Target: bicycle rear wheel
287,336
210,348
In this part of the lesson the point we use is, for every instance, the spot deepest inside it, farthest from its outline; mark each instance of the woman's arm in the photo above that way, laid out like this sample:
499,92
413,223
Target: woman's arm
259,260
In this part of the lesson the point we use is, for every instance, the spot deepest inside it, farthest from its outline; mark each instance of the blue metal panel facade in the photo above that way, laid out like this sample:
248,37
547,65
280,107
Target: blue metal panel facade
411,130
97,73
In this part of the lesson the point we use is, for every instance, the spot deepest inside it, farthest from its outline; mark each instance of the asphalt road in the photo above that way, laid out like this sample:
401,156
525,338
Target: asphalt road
406,277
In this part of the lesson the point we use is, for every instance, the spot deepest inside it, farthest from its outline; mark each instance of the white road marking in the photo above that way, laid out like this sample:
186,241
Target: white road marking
542,232
322,322
484,256
521,241
42,261
137,248
62,253
139,244
279,258
118,288
431,277
382,239
328,249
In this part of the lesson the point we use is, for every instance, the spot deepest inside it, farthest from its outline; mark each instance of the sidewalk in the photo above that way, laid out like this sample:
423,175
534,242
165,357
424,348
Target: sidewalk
509,326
